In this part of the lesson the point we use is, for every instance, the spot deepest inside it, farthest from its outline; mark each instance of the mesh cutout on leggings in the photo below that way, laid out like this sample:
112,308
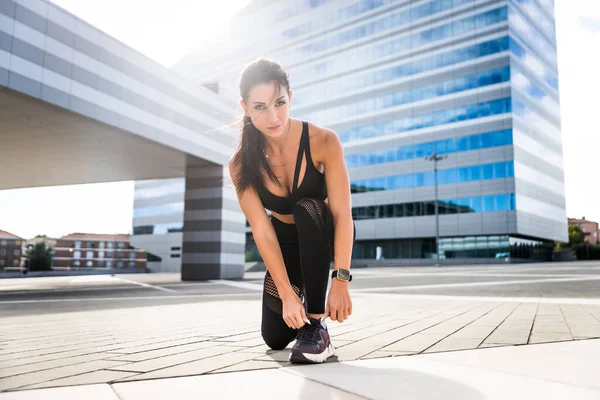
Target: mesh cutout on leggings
316,210
271,295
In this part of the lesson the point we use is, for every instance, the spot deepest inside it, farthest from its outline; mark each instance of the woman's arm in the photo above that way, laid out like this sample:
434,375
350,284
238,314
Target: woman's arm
339,304
339,198
268,247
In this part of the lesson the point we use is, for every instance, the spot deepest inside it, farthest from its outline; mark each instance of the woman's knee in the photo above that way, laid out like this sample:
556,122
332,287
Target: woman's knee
274,341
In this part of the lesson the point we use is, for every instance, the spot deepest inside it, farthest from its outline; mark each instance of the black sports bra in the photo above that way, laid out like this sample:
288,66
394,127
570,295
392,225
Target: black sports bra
312,185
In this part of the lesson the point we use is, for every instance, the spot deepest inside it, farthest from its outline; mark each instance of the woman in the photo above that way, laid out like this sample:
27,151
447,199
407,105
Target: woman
291,168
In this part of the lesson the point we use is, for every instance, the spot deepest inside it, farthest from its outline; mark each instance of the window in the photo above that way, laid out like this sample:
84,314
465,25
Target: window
120,264
17,252
109,264
2,262
16,262
77,254
101,254
2,252
89,255
77,244
89,263
132,255
175,255
101,245
76,263
131,264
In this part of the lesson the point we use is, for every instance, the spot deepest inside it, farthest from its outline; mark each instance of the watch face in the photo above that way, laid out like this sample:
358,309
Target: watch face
343,274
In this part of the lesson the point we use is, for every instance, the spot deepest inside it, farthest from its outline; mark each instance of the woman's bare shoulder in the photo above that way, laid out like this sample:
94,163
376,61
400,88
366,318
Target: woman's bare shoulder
319,134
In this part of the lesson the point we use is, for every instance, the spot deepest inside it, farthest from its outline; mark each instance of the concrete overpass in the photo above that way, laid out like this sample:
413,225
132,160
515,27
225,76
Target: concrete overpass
78,106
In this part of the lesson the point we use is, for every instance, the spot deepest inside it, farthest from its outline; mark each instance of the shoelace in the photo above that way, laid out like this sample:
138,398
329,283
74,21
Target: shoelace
309,332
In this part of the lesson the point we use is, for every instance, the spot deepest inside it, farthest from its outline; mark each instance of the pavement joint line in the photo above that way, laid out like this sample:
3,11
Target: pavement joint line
467,284
424,318
566,322
497,326
544,300
182,296
238,284
537,308
146,285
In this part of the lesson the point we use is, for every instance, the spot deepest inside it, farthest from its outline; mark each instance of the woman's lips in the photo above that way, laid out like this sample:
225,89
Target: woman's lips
274,128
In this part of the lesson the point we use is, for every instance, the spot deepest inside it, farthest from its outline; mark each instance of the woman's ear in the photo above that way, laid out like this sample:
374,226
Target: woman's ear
290,97
246,114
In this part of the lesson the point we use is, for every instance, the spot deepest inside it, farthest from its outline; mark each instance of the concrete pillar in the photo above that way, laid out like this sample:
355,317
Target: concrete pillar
214,238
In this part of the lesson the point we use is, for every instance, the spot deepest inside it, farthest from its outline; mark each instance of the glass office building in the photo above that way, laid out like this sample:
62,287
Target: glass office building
158,215
398,80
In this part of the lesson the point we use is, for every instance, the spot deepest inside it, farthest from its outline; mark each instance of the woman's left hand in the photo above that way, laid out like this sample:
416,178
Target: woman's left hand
339,304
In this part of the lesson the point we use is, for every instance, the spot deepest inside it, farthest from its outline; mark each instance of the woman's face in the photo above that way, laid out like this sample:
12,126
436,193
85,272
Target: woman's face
268,106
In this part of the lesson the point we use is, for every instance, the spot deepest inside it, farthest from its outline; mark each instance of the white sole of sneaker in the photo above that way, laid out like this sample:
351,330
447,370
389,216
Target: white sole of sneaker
314,358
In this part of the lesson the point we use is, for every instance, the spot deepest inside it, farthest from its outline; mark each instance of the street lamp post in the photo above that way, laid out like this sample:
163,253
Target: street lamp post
435,157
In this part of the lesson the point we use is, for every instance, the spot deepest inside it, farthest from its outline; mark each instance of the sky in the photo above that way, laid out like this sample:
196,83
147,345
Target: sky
166,34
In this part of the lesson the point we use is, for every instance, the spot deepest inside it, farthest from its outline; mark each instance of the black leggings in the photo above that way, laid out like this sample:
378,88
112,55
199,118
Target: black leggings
307,248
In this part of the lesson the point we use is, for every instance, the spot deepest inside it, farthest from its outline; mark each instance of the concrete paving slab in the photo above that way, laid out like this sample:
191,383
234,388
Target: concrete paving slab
88,392
264,385
195,368
415,377
574,363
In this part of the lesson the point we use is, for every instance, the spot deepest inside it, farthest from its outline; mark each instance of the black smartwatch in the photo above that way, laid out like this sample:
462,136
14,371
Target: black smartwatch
342,275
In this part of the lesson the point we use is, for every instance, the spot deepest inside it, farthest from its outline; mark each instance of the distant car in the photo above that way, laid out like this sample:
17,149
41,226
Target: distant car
502,255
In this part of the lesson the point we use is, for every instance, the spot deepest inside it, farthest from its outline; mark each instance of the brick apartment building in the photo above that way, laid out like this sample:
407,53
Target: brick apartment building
590,229
10,251
85,250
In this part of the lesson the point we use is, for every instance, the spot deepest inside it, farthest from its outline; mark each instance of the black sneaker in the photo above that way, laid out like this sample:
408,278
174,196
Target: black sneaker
312,343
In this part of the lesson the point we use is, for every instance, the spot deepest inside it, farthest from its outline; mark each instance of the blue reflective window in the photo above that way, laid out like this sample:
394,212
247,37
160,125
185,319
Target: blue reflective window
452,175
487,171
501,202
475,172
474,142
487,139
442,177
500,170
488,204
510,169
419,180
476,204
463,174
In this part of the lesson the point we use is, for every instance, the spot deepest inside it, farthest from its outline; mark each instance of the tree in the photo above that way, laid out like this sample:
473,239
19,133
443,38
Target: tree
576,235
40,257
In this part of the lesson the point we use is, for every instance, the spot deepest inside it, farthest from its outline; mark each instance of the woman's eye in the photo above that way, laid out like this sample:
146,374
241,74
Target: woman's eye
280,103
259,107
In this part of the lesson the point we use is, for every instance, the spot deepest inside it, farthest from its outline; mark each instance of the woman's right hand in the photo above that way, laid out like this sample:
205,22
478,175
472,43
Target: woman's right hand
294,313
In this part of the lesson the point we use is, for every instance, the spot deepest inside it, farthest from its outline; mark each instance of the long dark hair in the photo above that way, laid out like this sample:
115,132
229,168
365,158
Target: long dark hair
248,158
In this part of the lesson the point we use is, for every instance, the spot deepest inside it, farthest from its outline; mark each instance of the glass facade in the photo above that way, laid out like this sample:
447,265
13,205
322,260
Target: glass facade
498,202
404,44
345,84
445,146
426,120
158,207
401,80
444,177
381,102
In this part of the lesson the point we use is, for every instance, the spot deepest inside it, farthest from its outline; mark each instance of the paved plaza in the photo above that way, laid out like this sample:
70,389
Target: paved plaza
425,332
